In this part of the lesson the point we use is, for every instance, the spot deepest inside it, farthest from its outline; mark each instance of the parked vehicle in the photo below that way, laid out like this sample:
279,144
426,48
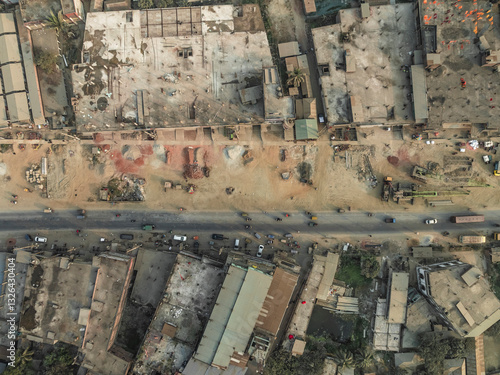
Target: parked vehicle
48,210
126,236
261,249
467,219
431,221
496,236
390,220
314,218
216,236
237,244
288,235
40,239
244,214
472,239
148,227
496,169
257,235
28,237
180,238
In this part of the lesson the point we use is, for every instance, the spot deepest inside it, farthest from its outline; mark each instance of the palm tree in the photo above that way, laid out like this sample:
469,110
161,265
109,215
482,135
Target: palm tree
56,21
296,77
24,358
364,358
343,358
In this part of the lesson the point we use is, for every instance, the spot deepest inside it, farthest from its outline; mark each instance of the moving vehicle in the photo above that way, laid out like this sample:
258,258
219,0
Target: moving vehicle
81,214
472,239
148,227
312,224
40,239
314,218
467,219
390,220
237,244
126,236
496,169
216,236
261,249
48,210
180,238
431,221
244,214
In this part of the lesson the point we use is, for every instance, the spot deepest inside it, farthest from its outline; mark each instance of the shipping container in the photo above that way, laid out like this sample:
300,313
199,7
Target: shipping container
472,239
467,219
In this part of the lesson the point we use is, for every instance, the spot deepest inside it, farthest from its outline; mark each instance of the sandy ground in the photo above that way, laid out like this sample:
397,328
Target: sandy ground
74,179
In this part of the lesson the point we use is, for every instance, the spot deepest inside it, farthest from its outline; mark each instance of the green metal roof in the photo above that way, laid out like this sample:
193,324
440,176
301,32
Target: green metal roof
306,129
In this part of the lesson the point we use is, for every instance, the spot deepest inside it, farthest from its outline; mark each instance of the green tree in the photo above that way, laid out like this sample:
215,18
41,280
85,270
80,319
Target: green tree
22,364
146,4
46,61
456,348
164,3
296,77
56,22
58,362
363,358
370,267
343,358
434,352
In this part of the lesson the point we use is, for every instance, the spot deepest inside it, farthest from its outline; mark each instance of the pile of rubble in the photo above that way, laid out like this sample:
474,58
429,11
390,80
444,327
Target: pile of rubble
34,176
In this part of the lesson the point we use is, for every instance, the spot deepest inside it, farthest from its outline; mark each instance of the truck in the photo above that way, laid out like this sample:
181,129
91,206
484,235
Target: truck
148,227
496,236
386,189
472,239
467,219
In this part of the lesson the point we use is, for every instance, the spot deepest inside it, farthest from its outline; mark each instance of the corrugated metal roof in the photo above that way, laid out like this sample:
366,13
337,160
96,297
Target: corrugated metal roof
419,90
244,316
18,107
9,49
7,24
220,315
13,78
309,6
3,112
306,129
33,88
398,298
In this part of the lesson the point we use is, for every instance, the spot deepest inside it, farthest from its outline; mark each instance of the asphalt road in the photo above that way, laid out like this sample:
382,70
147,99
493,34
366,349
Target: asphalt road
329,223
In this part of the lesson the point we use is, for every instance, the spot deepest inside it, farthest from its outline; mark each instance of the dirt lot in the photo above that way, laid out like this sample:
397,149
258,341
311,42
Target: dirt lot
76,175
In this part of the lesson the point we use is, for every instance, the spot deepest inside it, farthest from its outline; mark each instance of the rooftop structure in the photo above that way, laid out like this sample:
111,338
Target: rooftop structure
108,300
379,46
305,108
288,49
234,316
277,300
460,296
309,6
457,39
174,67
56,293
398,294
386,336
180,317
19,100
306,129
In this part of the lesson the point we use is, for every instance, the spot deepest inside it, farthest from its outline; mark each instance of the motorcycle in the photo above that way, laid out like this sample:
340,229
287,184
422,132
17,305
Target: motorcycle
279,219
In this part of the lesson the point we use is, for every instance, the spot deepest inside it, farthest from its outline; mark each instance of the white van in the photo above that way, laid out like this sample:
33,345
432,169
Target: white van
237,244
180,238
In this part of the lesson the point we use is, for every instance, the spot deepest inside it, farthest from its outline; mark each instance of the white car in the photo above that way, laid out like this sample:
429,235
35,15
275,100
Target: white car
431,221
261,249
40,239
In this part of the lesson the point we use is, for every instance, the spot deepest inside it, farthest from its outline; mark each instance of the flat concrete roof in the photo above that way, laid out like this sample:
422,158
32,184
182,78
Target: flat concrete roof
18,107
386,335
242,320
9,49
419,92
309,6
108,301
182,77
447,288
398,297
288,49
331,264
276,106
277,300
57,302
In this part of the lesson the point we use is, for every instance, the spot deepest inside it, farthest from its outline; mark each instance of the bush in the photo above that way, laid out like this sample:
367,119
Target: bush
370,267
46,61
146,4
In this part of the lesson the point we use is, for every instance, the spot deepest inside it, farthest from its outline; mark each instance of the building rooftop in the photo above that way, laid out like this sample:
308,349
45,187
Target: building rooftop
306,129
171,67
180,317
277,300
108,301
288,49
398,296
386,336
380,45
470,309
234,316
451,29
331,264
54,295
422,251
277,108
